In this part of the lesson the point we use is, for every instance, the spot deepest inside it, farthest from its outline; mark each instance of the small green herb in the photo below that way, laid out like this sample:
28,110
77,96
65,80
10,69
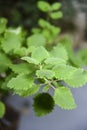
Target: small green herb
41,60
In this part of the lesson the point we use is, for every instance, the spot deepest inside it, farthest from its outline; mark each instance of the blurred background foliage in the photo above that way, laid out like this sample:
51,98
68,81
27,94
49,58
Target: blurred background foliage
26,13
21,12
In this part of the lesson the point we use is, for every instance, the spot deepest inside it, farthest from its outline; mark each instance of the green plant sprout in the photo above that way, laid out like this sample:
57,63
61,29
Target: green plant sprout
51,32
28,67
45,27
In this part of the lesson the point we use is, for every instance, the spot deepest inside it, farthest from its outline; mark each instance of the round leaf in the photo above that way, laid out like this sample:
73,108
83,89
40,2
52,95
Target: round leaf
43,6
55,6
43,104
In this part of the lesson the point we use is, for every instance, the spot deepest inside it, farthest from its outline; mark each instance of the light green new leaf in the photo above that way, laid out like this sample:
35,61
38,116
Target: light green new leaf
40,54
33,90
31,49
44,73
3,23
30,60
67,42
36,40
55,6
60,52
44,24
21,82
46,33
46,88
55,31
23,68
55,61
82,54
43,6
4,62
56,15
6,80
22,51
36,30
63,98
63,72
78,79
2,109
12,40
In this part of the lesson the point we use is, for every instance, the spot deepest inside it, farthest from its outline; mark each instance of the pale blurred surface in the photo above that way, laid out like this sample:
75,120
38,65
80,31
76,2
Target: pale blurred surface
59,119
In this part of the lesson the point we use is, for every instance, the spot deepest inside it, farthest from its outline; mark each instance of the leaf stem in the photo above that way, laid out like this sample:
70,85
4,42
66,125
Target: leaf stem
49,83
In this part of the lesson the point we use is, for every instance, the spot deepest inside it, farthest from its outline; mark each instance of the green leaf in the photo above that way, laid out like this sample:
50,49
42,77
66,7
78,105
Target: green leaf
40,54
55,6
63,98
50,32
31,49
78,79
43,6
60,52
68,44
63,72
2,109
3,23
46,33
4,84
46,88
56,15
36,40
43,104
55,31
44,24
1,82
5,62
21,82
22,51
44,73
23,68
12,40
55,61
3,68
31,91
82,55
30,60
36,30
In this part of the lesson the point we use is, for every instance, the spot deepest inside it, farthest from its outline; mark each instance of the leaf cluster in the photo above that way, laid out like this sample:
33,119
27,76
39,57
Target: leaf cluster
45,26
28,63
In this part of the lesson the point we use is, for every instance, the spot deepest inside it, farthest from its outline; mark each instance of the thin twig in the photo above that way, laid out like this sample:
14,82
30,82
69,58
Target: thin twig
49,83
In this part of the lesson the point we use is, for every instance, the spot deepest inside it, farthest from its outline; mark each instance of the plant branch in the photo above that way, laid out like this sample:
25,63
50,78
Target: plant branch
49,83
